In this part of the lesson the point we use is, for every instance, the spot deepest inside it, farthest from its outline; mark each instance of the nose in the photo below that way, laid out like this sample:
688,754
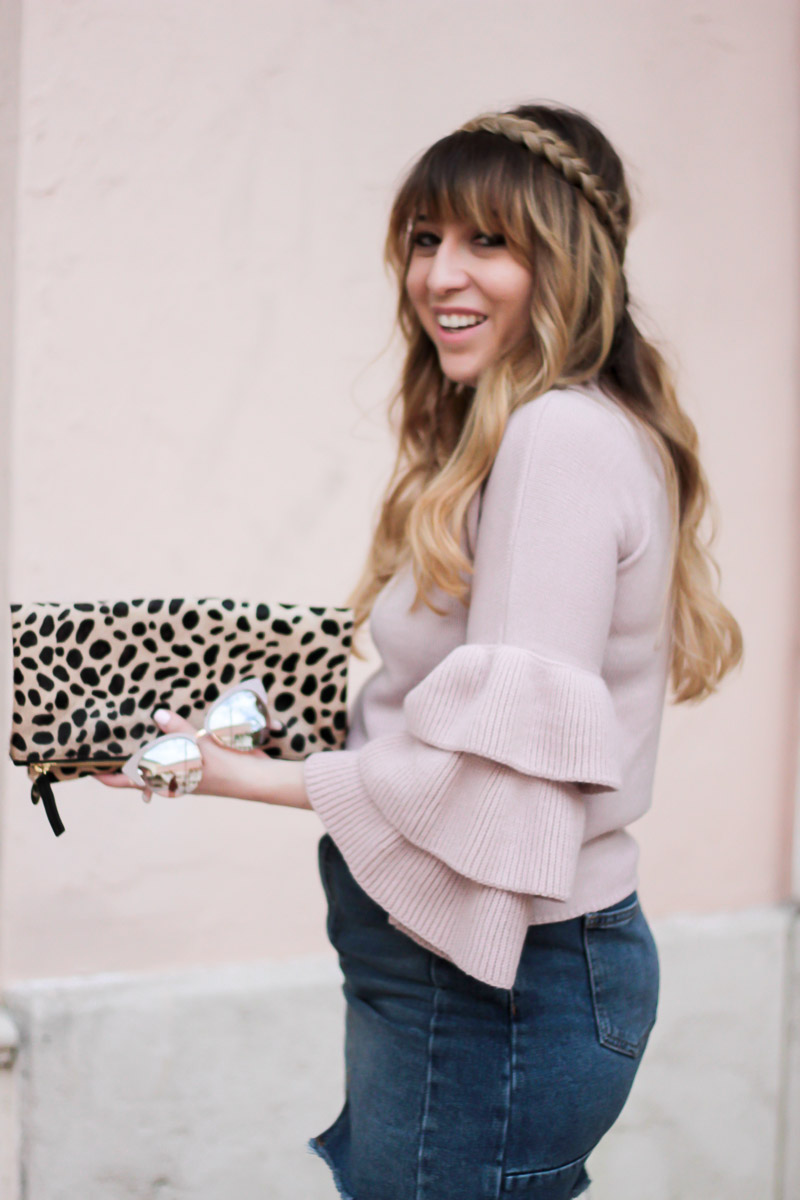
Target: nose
447,271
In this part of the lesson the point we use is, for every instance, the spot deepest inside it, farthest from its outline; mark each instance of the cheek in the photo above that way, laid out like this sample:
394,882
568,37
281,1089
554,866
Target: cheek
415,284
518,296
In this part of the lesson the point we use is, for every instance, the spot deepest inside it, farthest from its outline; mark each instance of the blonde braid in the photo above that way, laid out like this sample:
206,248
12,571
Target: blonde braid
564,158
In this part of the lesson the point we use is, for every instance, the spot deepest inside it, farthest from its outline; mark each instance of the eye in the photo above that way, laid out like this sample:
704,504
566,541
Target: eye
425,240
490,239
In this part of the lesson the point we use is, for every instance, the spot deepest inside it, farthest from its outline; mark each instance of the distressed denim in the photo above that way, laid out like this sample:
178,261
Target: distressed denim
456,1090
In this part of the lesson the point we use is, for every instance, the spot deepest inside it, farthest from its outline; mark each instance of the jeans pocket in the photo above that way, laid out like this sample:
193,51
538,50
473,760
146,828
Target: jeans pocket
570,1181
623,967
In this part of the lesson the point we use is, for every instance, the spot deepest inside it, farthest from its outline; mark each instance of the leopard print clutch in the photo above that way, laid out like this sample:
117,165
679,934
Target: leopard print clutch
88,677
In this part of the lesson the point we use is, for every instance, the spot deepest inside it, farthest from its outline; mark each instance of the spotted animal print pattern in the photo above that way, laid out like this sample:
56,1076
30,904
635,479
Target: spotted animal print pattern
88,677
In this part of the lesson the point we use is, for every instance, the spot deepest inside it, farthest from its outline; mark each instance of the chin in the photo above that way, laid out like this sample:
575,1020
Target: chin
466,375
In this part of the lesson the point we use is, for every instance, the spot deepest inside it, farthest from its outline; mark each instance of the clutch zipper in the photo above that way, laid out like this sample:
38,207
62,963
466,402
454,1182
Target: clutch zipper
43,764
42,787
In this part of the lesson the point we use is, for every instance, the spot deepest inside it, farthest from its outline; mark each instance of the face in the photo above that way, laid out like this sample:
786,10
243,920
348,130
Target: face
471,295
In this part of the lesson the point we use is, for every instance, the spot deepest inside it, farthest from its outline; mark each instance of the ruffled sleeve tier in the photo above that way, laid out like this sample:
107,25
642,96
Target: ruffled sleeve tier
479,801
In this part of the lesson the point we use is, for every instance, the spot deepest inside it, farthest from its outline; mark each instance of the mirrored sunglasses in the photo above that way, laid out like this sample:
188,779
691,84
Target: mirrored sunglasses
171,765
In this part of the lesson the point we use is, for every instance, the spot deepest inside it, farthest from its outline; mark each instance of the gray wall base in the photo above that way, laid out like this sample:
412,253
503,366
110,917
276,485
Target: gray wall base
206,1084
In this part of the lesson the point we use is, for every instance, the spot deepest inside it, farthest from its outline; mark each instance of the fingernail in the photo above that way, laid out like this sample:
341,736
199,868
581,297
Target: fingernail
161,716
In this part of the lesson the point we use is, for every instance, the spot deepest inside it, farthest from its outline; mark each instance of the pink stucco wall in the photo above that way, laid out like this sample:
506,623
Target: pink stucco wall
200,314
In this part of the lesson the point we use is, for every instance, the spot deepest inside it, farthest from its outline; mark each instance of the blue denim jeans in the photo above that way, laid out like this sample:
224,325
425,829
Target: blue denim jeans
455,1090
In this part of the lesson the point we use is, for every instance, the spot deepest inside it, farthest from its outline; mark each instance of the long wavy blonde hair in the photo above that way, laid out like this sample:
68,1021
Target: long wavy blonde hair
549,181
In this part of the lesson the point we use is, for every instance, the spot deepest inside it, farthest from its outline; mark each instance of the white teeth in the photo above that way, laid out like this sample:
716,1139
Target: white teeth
458,320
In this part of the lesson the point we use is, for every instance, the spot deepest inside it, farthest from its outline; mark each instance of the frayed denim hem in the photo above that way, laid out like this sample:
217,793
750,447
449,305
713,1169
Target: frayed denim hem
322,1153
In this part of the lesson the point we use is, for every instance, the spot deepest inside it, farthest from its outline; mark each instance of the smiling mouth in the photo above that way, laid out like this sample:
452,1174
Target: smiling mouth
458,320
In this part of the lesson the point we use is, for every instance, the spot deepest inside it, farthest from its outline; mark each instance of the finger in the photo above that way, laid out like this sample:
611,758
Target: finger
170,722
122,781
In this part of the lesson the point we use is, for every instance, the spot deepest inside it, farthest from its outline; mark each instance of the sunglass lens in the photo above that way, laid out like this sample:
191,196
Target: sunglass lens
173,767
240,721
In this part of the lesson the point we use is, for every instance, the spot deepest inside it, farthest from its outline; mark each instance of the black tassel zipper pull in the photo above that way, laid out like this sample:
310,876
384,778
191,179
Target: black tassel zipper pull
42,788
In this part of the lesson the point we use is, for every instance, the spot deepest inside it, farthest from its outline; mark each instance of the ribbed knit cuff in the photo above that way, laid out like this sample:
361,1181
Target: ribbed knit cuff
331,778
480,929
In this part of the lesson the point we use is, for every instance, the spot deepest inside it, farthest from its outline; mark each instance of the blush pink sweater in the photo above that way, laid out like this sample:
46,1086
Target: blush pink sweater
496,757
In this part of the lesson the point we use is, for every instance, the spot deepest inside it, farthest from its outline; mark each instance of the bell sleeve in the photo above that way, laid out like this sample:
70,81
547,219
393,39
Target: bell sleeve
478,803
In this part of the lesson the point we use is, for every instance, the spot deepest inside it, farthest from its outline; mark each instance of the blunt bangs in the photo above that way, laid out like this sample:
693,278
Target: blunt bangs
477,178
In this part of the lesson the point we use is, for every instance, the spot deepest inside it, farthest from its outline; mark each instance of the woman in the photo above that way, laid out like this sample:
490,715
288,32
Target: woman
535,578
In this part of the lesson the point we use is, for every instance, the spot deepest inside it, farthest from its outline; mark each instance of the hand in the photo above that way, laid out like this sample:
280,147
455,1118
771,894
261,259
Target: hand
250,775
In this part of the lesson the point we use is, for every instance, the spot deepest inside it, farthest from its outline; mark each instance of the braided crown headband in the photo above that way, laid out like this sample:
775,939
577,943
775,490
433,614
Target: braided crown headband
564,158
